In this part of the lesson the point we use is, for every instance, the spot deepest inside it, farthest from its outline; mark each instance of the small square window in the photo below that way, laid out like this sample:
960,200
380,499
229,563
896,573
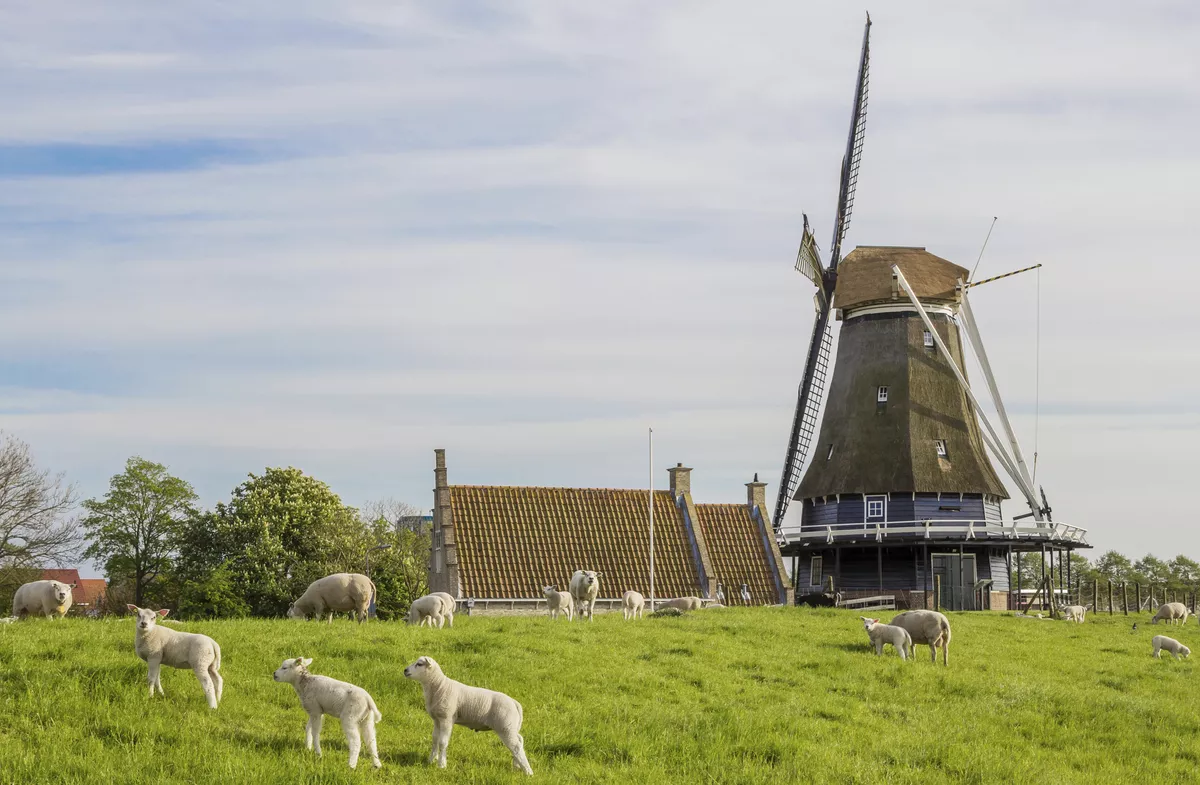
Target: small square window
940,444
875,508
815,574
829,454
928,340
881,396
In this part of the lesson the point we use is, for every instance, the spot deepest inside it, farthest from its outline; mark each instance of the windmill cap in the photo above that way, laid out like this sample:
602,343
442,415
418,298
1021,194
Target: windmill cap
865,275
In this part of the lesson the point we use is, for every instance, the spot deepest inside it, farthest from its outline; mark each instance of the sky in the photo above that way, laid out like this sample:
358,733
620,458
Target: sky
340,235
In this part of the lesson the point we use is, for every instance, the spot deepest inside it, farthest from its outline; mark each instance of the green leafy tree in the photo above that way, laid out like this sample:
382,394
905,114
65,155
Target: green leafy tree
1184,571
1150,569
400,571
134,530
1115,567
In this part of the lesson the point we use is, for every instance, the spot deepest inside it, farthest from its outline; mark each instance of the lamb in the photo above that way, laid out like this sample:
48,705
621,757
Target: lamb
684,603
1170,644
585,587
343,591
927,627
451,703
881,634
427,609
1074,613
46,598
449,605
1171,612
559,602
633,604
159,646
321,695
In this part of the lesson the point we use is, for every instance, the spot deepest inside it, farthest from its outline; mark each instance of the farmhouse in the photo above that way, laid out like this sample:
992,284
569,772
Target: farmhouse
88,594
498,542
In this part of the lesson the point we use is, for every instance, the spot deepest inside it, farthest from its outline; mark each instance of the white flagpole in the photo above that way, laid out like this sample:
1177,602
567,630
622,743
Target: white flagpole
651,505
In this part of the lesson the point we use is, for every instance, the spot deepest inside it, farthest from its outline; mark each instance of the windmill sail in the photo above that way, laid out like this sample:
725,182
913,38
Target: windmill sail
816,367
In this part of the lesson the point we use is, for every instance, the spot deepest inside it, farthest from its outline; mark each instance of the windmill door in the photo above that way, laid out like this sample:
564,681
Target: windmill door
957,573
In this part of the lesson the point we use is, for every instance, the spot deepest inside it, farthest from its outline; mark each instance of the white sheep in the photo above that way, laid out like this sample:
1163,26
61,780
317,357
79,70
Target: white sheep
927,627
159,646
451,703
684,603
43,598
559,602
584,588
427,609
343,591
449,605
1171,612
321,695
881,634
1074,613
633,604
1176,648
9,619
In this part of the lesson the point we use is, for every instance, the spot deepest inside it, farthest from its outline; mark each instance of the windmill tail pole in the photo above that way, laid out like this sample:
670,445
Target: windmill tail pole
998,277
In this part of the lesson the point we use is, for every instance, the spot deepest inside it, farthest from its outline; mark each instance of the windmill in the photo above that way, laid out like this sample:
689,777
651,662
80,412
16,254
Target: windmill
901,464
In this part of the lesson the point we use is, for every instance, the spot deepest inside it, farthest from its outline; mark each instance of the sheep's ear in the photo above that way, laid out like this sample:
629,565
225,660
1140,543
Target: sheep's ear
422,660
306,661
163,613
132,608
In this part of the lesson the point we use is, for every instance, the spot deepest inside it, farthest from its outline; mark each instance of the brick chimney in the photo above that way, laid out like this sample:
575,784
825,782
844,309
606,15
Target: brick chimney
756,494
443,551
681,480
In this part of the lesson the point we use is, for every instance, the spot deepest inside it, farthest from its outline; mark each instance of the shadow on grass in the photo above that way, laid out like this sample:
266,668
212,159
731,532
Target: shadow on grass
853,648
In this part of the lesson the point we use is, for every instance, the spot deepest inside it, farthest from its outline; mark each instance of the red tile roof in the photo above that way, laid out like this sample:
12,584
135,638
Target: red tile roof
62,576
512,541
90,592
738,553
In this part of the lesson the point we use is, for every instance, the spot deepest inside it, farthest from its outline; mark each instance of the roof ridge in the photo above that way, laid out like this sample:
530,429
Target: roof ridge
555,488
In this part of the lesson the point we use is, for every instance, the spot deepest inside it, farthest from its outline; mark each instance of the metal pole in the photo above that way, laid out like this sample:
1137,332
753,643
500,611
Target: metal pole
962,580
927,566
650,504
879,551
1020,586
1069,575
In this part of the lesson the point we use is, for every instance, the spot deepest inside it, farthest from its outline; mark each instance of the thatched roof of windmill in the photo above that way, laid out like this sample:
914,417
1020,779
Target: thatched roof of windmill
865,275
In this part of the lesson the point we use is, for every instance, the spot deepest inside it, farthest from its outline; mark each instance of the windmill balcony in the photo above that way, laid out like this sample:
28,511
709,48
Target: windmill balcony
932,531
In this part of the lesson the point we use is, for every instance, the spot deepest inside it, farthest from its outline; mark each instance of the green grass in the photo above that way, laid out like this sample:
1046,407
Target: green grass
755,695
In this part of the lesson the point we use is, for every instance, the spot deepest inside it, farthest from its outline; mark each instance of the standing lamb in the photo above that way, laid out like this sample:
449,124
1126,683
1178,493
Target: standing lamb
927,627
343,591
45,598
633,604
1176,648
1171,612
451,703
449,605
559,602
163,646
1074,613
684,603
881,634
585,587
321,695
430,609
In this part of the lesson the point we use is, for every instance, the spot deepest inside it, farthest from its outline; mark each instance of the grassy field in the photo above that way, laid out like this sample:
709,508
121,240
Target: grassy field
756,695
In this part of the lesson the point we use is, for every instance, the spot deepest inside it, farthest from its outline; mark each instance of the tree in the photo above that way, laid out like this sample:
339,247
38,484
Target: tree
36,528
400,515
400,571
1114,567
1150,569
1184,571
134,530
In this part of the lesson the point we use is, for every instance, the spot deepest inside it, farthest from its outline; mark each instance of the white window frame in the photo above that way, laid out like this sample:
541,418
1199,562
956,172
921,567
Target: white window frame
881,395
940,446
928,339
816,571
875,508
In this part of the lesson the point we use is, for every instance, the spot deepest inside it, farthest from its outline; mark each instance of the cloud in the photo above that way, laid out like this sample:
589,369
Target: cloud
340,235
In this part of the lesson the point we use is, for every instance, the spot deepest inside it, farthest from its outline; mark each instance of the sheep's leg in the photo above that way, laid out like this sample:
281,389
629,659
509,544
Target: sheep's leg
516,745
316,721
946,653
353,740
152,675
210,692
450,619
218,682
441,740
369,737
933,653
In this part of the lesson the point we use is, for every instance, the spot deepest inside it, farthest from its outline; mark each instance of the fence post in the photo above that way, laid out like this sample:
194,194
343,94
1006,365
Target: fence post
937,592
1124,599
1096,594
1110,599
1137,589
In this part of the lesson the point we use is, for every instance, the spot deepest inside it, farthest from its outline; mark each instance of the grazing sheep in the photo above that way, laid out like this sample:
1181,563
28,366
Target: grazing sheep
684,603
449,605
427,609
1074,613
881,634
321,695
343,591
8,619
585,587
633,604
559,602
451,703
45,598
1170,644
927,627
1171,612
159,646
